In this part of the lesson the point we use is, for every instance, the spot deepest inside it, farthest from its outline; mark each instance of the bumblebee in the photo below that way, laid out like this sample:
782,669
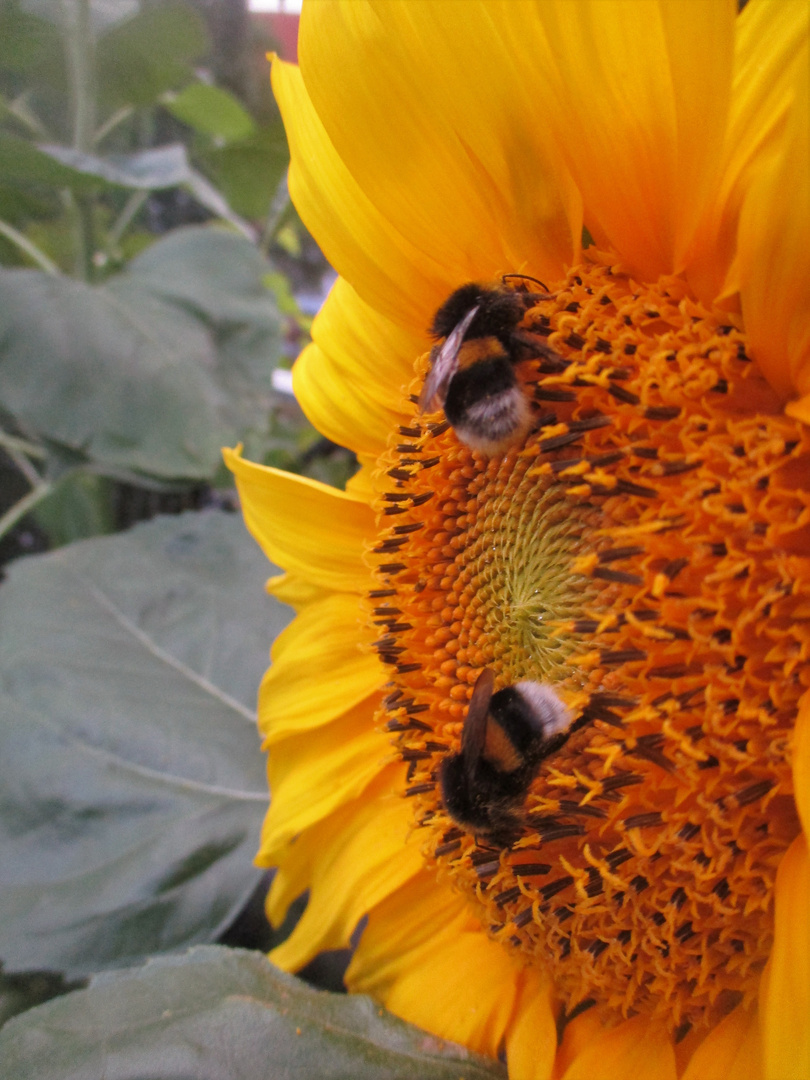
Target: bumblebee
472,373
505,737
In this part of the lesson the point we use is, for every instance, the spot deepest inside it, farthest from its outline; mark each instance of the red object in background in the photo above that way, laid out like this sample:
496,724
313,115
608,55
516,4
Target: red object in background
283,26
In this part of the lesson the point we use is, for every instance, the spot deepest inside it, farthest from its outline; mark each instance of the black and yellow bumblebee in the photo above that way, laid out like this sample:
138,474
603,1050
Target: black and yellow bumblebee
505,737
472,373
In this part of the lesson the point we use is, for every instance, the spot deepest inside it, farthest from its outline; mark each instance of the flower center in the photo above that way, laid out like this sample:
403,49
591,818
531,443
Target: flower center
643,552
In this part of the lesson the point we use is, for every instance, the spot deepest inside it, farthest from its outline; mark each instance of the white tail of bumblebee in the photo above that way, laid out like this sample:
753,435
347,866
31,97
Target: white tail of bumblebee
552,713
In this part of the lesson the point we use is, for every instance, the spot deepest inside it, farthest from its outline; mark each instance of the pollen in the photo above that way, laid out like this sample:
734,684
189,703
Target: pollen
646,552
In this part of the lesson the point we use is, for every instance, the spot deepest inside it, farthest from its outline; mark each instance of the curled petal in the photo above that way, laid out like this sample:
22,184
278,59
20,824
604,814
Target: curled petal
362,245
732,1048
349,381
531,1041
767,50
445,149
319,669
425,957
311,777
285,514
641,116
350,862
637,1048
786,993
774,257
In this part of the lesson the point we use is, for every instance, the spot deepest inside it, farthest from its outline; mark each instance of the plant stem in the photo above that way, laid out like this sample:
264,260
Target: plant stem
275,216
112,122
23,506
24,465
124,219
28,247
80,56
21,446
20,109
80,47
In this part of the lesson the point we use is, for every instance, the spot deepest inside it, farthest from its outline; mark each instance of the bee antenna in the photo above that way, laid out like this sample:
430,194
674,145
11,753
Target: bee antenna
525,277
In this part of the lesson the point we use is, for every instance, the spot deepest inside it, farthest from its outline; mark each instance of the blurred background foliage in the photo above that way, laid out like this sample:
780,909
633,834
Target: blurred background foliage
155,286
153,273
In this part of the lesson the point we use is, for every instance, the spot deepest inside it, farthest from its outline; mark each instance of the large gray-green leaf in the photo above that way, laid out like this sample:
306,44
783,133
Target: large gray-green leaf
148,170
132,787
218,1013
160,167
156,369
22,164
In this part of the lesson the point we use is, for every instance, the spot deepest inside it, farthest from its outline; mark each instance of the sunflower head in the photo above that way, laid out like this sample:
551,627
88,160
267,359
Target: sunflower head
543,719
624,556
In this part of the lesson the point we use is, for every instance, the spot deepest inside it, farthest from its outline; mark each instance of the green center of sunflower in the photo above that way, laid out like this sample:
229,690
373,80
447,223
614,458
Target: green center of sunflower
643,553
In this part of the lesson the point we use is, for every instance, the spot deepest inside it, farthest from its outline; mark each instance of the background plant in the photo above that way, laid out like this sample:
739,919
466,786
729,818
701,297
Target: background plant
144,222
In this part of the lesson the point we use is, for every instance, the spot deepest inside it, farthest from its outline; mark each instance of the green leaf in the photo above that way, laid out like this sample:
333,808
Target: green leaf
26,42
249,172
148,170
156,369
218,1013
211,111
80,506
22,163
142,58
132,786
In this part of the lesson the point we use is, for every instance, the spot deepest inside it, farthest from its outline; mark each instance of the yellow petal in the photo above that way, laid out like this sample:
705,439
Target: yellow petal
801,762
385,268
362,485
294,590
311,775
785,1006
350,381
577,1035
637,1049
360,856
304,526
319,670
768,41
299,862
531,1040
731,1049
641,114
427,959
442,124
774,254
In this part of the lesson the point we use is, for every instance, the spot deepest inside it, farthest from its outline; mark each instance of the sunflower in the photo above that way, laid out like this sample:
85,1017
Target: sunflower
644,551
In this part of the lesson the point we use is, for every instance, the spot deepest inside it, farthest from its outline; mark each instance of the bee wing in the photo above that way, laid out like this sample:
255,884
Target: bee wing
475,726
444,362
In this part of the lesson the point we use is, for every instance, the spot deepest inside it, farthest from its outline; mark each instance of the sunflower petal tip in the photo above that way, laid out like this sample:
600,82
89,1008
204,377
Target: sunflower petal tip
232,454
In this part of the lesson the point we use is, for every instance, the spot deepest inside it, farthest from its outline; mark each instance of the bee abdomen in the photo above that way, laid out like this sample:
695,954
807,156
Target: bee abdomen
486,406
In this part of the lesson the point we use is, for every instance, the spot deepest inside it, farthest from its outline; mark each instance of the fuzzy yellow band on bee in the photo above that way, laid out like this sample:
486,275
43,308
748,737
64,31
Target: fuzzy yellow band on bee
478,349
499,750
